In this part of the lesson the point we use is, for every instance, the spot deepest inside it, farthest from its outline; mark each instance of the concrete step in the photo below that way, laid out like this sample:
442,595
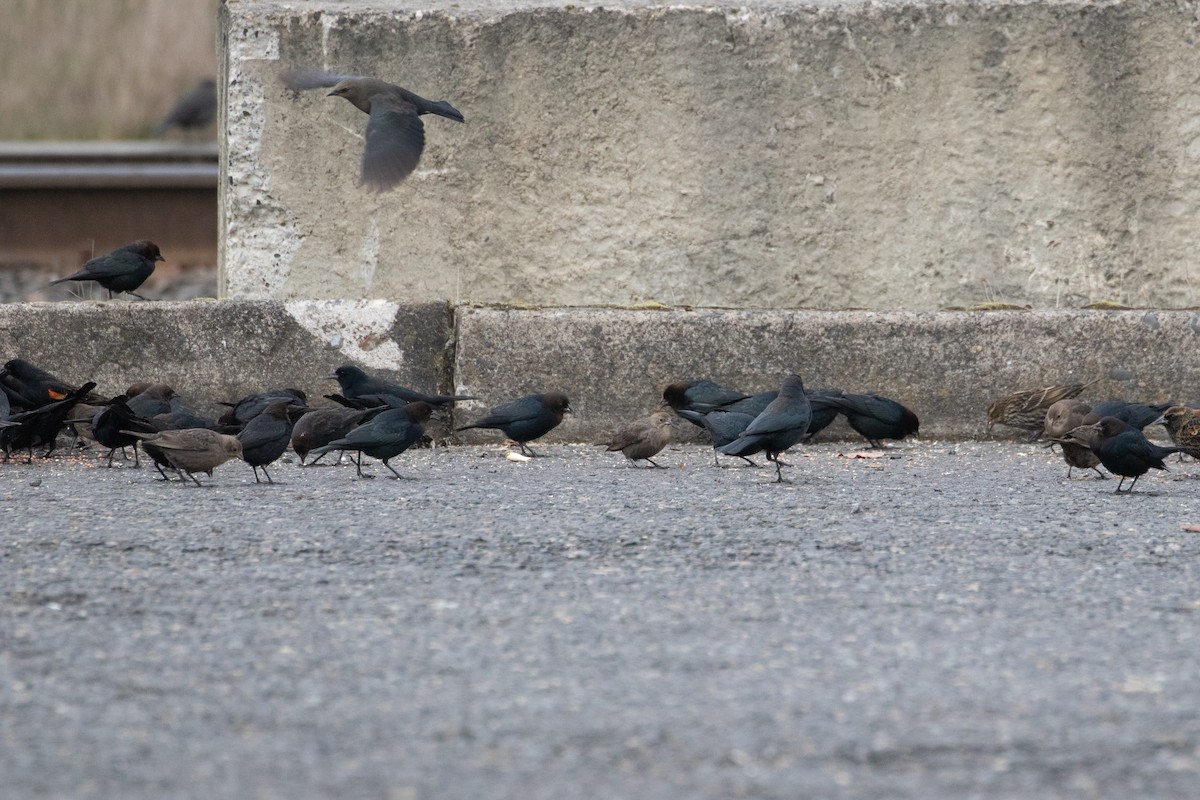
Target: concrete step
612,363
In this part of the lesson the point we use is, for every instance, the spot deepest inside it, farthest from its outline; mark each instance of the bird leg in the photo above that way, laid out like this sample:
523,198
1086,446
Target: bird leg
358,465
527,450
1099,474
135,294
194,479
655,463
264,469
112,451
397,474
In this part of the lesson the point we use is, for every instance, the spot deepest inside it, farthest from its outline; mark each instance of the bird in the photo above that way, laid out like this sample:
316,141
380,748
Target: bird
153,400
122,270
111,424
190,450
320,426
395,135
366,391
1062,418
642,439
385,436
875,417
1137,415
1183,426
781,424
29,386
526,418
1124,450
824,412
266,436
1026,409
26,430
196,109
180,416
723,427
252,405
700,395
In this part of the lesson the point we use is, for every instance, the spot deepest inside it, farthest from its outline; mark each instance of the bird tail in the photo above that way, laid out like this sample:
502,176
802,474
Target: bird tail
742,446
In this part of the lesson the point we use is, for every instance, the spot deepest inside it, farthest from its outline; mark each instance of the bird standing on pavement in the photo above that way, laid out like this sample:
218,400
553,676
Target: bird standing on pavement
367,391
875,417
1062,418
1125,451
1183,426
386,436
266,436
122,270
190,450
1027,409
395,135
642,439
525,419
781,424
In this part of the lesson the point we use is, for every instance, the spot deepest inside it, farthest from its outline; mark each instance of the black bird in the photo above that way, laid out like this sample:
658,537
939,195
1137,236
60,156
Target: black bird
111,427
179,417
31,387
367,391
252,405
40,426
701,395
823,411
1135,415
266,436
395,135
1125,451
153,400
196,109
386,436
723,427
781,424
122,270
875,417
526,418
320,426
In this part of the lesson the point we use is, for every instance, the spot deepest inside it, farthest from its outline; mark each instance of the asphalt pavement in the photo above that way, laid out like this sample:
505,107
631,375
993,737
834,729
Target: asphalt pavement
943,620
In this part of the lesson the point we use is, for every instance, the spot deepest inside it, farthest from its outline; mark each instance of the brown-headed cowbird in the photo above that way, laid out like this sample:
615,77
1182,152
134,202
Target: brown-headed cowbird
267,435
191,450
723,427
386,436
196,109
1183,426
1062,418
111,424
1125,451
395,135
701,395
1026,409
366,391
781,424
122,270
320,426
642,439
153,400
526,418
1136,415
875,417
252,405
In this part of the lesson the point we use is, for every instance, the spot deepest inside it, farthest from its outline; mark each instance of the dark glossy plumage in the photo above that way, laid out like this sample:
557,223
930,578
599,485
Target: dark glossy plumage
1135,415
526,418
153,400
321,426
122,270
700,395
367,391
875,417
385,436
1125,451
111,427
252,405
781,424
265,437
395,135
723,427
1026,409
28,386
26,430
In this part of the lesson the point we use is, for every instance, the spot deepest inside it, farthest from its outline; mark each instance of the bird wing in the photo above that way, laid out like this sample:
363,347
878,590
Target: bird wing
395,138
113,265
299,80
513,411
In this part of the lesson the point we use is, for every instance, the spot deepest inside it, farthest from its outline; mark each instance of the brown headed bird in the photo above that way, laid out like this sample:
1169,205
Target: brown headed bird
395,135
642,439
1183,426
1027,409
1062,418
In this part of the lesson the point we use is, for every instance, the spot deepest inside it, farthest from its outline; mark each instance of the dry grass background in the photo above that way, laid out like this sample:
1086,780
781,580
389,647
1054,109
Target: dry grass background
99,69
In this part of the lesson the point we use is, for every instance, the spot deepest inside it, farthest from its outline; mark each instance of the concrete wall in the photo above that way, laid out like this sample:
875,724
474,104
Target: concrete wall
887,155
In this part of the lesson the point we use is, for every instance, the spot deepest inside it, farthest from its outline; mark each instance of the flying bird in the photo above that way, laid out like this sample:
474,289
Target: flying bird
395,135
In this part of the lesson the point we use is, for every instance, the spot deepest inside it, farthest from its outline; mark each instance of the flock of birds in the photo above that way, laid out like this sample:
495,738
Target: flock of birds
380,419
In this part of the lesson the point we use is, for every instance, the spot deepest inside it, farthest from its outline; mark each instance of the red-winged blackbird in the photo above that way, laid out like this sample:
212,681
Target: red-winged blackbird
1027,409
190,450
526,418
642,439
122,270
395,135
1125,451
781,424
29,387
386,436
364,391
1062,418
1183,426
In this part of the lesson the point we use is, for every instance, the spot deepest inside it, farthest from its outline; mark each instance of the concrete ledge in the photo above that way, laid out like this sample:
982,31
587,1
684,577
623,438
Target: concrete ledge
214,351
612,363
946,366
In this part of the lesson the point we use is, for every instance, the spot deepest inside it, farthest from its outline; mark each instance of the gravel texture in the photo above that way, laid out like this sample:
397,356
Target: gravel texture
941,620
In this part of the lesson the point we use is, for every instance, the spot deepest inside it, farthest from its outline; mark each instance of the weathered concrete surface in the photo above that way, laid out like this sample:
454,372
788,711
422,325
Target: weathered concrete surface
220,351
946,366
892,155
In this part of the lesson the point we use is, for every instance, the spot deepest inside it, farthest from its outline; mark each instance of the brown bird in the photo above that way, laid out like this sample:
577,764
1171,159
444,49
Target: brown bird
642,439
1183,426
190,449
1027,409
1066,416
395,135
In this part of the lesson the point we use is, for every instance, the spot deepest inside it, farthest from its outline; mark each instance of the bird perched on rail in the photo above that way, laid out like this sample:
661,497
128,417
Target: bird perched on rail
395,135
1026,409
122,270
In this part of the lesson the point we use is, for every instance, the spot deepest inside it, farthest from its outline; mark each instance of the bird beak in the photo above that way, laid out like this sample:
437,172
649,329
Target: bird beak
331,93
159,258
1160,421
331,377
